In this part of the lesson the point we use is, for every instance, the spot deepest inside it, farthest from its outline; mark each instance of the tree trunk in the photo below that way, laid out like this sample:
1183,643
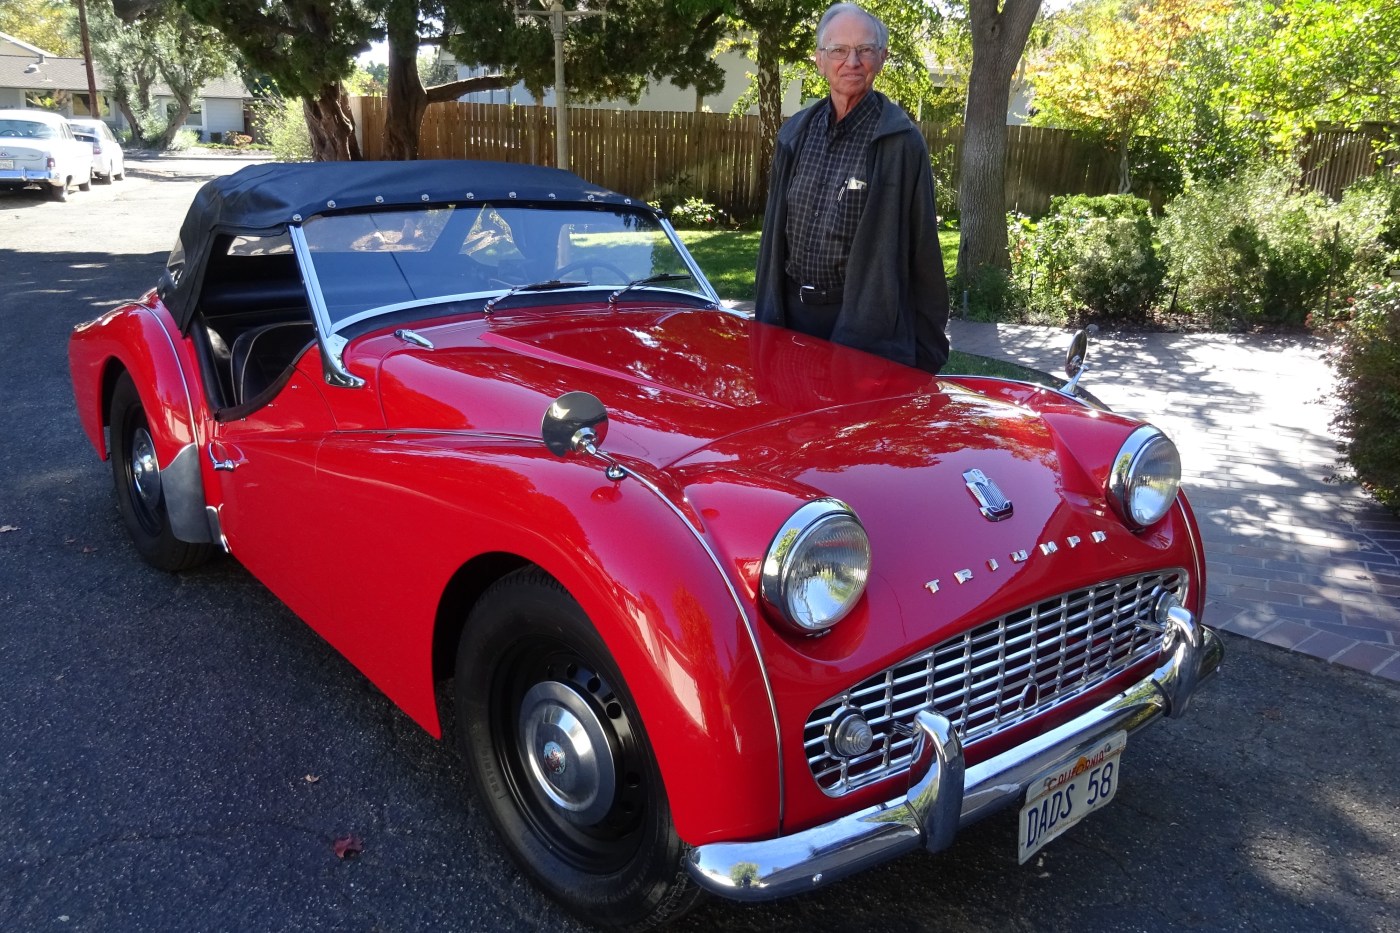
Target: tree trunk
174,126
1125,170
405,101
998,39
770,106
329,124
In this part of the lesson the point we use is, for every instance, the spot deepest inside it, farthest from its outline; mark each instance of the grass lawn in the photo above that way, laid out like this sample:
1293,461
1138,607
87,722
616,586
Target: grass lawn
729,257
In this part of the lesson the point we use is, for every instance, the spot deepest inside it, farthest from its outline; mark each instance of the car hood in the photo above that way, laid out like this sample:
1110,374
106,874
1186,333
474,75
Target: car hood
721,409
673,381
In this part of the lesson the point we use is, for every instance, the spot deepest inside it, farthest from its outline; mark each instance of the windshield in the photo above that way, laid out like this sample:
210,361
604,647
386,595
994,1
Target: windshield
371,263
27,129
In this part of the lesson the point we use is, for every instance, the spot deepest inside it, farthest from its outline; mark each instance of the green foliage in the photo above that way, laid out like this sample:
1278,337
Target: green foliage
990,295
165,46
281,125
300,45
696,214
1088,260
1367,359
51,25
1255,250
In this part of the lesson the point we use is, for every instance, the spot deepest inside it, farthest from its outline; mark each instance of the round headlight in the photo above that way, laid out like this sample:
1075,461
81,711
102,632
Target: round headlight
1145,477
816,567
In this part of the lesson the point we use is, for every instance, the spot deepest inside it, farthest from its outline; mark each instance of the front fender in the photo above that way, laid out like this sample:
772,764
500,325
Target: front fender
433,504
141,339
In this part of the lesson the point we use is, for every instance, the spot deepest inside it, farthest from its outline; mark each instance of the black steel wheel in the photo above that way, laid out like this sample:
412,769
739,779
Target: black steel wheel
140,495
559,757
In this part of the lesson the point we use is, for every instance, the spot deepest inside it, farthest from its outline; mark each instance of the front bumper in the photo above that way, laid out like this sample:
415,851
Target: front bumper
944,795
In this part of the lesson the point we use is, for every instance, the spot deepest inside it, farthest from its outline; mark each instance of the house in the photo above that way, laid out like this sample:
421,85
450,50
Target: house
738,70
32,77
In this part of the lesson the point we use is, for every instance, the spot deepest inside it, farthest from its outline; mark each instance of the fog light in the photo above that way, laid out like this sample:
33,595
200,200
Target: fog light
851,736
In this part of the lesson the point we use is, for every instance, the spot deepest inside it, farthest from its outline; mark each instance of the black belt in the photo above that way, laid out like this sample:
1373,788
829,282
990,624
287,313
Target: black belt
811,295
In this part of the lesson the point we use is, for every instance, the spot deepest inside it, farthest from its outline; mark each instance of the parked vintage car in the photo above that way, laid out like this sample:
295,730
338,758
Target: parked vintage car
108,160
39,148
726,608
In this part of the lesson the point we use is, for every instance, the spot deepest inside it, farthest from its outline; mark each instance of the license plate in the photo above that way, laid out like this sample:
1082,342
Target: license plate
1067,793
7,163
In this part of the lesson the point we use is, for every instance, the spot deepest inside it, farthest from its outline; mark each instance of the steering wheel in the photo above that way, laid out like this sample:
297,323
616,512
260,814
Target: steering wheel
588,263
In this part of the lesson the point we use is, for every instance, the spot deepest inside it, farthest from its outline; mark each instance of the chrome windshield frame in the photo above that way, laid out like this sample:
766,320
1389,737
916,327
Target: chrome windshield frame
331,343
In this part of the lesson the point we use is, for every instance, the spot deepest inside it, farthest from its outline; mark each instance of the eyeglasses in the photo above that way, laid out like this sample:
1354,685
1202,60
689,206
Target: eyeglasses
839,53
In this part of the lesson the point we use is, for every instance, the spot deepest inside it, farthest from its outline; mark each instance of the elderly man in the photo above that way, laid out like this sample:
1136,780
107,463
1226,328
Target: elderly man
850,237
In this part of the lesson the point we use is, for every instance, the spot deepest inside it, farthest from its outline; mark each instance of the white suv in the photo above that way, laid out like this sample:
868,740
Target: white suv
108,161
39,148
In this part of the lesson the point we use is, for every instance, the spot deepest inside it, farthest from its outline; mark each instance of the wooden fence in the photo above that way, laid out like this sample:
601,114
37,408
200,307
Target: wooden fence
664,154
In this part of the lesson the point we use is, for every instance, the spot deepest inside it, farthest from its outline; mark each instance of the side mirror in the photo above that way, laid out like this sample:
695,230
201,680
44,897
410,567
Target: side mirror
574,421
1078,350
577,422
1075,358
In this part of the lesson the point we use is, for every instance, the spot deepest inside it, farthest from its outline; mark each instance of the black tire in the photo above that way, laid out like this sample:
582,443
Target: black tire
60,192
609,856
85,185
140,498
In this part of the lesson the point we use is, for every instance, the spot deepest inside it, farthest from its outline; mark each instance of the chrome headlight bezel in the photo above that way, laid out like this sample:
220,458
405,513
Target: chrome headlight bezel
791,575
1145,479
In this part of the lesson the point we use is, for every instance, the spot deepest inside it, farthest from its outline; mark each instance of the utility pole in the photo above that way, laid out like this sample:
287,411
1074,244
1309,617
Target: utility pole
94,108
558,22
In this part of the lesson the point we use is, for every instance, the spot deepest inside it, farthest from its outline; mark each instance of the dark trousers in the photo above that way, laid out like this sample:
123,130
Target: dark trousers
817,318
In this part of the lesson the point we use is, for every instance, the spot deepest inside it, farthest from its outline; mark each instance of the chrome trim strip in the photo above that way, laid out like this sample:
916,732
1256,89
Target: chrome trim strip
690,263
185,485
749,623
921,818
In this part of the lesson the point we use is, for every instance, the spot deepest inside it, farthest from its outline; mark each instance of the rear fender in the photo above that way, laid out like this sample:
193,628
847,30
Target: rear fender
140,339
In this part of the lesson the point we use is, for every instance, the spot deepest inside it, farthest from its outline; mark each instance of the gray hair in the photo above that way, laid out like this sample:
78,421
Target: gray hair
882,35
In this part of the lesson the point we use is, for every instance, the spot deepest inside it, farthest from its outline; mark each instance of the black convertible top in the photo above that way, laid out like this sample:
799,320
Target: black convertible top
268,197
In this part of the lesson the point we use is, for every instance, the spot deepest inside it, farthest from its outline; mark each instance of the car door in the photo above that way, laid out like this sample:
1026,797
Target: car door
266,467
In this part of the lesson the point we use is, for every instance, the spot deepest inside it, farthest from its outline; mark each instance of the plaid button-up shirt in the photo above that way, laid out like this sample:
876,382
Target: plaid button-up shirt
827,194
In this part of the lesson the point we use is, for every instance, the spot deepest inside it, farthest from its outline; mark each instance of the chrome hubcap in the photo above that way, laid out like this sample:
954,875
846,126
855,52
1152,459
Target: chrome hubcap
565,746
145,471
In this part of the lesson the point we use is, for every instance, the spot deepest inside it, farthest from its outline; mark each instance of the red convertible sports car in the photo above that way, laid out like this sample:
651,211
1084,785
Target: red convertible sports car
726,608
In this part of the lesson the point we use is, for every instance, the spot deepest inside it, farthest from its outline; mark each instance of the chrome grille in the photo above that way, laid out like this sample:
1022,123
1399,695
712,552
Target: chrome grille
993,676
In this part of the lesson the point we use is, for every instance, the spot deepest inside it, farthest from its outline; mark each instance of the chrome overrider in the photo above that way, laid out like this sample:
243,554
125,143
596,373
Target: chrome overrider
944,795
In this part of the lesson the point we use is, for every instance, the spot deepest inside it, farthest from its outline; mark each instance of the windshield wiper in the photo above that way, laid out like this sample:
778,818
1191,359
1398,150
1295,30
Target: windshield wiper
647,280
545,286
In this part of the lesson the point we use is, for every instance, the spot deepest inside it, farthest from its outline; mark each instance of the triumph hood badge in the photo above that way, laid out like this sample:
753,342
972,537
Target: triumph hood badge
995,506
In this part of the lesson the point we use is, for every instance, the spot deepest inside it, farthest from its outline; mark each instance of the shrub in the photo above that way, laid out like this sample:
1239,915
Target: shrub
696,214
1256,250
1089,259
184,139
283,124
1368,367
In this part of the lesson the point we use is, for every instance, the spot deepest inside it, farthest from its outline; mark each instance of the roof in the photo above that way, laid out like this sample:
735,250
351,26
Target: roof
57,73
268,197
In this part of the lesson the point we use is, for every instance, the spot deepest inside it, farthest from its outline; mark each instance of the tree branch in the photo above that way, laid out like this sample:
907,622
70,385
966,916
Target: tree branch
452,90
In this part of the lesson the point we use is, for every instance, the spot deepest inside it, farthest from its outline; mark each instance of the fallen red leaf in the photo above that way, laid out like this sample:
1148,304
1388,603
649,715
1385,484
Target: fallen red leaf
348,845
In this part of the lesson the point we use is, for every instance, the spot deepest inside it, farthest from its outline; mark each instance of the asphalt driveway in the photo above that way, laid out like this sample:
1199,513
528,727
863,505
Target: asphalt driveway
179,753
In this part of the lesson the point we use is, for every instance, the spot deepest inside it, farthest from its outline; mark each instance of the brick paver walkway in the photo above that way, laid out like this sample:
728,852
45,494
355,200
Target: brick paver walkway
1294,559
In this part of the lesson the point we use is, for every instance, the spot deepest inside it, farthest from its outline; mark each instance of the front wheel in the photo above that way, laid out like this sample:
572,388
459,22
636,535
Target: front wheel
140,494
559,758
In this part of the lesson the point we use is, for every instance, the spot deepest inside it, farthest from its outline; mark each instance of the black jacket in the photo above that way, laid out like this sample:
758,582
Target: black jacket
895,298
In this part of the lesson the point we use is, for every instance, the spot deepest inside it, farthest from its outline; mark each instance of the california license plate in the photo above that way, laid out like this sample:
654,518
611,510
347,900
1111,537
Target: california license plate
1067,793
7,163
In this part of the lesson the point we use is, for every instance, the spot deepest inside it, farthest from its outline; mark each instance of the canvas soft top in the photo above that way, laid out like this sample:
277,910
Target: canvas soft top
268,197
